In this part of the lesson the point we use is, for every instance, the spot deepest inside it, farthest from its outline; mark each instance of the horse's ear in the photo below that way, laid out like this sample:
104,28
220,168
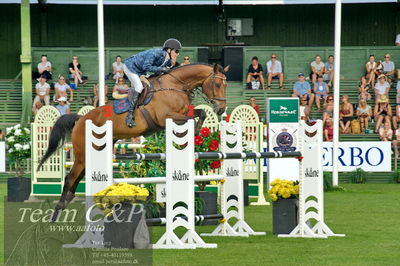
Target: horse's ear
215,68
226,69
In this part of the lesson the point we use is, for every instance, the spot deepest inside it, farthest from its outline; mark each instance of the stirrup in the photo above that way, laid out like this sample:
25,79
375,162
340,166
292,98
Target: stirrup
129,120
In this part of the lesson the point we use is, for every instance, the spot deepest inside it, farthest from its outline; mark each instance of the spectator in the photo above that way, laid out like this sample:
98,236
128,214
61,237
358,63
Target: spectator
382,87
329,71
304,110
117,68
120,89
371,71
255,73
186,61
385,132
328,130
254,105
317,68
363,90
75,71
395,143
388,68
382,112
274,71
364,113
36,107
397,41
42,92
396,118
61,89
43,68
62,106
328,109
1,135
346,113
321,90
96,94
398,90
302,88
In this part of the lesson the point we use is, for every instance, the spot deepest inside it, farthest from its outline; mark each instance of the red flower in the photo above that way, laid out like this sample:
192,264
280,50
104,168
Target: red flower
227,118
215,164
205,132
190,110
198,140
197,160
213,145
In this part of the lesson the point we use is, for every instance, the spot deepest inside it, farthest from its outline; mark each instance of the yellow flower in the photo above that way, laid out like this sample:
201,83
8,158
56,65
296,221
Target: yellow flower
273,197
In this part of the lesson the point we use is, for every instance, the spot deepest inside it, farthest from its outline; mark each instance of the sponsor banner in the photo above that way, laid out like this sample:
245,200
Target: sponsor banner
371,156
2,156
161,193
283,137
283,110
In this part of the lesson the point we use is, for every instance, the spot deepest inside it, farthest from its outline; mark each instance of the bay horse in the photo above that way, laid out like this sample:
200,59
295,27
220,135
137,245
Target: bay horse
172,97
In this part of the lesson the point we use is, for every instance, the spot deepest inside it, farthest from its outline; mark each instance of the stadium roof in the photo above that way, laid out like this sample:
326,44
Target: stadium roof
201,2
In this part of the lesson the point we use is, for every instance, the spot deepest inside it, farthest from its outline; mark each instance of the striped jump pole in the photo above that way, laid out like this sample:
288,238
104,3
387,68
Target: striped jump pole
197,218
211,155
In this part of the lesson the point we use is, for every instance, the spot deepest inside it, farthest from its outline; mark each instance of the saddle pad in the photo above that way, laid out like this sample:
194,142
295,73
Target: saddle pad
121,106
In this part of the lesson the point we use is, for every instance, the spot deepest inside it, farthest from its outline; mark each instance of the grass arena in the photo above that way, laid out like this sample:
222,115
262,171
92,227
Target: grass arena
199,132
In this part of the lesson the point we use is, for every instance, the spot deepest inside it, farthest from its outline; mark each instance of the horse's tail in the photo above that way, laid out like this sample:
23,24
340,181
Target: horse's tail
62,128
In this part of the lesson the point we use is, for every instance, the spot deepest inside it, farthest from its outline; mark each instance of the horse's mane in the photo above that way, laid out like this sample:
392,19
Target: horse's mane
220,68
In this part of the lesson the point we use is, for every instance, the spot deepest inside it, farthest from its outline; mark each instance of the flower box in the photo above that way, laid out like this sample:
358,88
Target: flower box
120,234
18,189
209,205
284,215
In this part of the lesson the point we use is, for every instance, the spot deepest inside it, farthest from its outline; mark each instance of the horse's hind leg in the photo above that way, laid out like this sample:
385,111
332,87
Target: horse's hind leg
71,183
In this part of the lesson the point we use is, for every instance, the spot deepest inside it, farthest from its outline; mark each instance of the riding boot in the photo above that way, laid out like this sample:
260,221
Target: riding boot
133,97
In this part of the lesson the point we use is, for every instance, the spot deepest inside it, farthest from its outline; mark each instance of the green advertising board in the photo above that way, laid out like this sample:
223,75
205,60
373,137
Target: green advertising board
283,110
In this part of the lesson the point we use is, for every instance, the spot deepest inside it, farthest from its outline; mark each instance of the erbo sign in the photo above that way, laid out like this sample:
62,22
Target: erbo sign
372,156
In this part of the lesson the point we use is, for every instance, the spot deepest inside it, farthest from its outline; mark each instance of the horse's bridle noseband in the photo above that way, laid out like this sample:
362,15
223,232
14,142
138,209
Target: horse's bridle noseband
213,77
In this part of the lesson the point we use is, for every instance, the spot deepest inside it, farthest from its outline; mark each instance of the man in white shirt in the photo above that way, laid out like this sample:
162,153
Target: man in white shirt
397,41
317,68
42,93
388,67
274,71
44,67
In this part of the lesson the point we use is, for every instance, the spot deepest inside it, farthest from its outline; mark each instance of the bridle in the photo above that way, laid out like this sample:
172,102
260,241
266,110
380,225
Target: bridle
186,86
213,76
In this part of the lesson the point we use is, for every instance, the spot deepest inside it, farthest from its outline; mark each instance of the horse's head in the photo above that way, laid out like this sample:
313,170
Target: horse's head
214,87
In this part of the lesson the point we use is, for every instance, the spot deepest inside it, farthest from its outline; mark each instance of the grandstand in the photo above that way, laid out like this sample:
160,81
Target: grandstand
295,41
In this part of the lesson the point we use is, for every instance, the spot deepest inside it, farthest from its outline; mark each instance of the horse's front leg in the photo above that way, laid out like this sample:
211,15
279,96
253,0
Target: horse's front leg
201,114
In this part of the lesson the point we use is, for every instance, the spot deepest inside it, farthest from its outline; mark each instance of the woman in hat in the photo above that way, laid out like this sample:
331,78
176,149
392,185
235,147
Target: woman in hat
382,112
381,87
62,106
364,112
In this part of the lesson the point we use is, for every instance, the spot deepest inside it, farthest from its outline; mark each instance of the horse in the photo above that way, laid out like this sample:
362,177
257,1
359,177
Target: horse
171,99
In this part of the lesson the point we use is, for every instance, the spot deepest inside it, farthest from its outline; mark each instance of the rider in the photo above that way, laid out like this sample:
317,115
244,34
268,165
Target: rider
157,61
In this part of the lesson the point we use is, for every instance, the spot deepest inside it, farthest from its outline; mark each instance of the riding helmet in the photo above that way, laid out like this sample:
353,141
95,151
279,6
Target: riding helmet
173,44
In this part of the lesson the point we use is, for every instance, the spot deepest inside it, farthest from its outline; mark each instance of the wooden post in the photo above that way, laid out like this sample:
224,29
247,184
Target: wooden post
26,62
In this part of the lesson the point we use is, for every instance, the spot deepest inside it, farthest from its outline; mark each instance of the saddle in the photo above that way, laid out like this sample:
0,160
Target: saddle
122,105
